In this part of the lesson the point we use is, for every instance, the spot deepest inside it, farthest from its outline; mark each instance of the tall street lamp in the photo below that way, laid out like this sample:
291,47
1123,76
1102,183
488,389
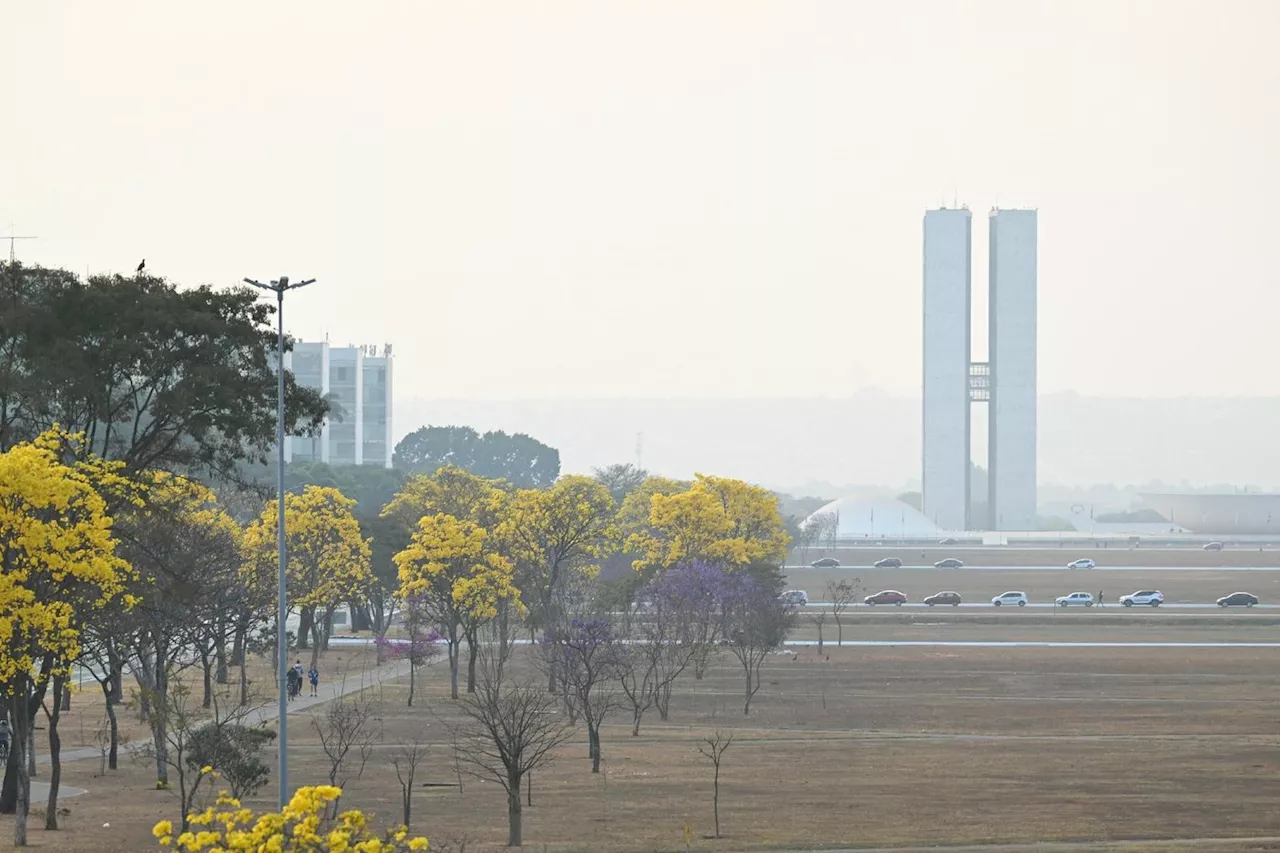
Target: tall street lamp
279,287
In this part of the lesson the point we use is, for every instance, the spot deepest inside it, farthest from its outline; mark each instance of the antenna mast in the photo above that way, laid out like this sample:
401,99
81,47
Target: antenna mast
13,238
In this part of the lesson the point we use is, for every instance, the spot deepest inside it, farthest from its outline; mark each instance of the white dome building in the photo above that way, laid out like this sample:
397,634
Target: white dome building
864,517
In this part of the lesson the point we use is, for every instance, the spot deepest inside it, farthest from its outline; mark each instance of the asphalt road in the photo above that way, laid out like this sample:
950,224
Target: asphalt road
1061,568
986,605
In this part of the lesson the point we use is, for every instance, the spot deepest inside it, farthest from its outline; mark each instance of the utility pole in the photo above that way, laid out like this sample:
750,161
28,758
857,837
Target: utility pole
279,287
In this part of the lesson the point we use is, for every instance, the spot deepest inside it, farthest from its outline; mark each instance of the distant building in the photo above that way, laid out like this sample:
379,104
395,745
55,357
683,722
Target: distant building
947,286
1006,381
357,382
1011,449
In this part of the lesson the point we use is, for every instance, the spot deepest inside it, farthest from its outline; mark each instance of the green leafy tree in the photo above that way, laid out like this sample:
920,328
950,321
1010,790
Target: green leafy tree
153,375
519,459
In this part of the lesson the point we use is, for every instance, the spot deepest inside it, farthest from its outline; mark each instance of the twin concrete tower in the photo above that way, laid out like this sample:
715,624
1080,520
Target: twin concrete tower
1006,382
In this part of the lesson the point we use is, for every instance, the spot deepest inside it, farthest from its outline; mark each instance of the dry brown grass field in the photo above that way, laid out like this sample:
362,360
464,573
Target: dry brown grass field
853,747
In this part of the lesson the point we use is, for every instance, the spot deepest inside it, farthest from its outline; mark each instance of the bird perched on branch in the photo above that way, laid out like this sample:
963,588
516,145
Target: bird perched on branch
142,266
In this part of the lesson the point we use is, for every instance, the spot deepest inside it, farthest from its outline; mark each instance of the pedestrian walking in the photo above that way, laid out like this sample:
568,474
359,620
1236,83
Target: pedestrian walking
291,682
1099,598
313,675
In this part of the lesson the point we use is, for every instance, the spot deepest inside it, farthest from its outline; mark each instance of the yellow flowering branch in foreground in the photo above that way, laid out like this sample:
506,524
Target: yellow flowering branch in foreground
298,828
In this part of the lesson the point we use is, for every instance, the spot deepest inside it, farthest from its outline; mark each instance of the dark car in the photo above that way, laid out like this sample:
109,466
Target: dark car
1238,599
1212,546
949,563
886,596
888,563
825,563
952,598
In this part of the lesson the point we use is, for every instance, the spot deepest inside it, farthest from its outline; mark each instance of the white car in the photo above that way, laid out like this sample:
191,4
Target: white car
1150,597
1085,598
795,597
1010,598
1085,563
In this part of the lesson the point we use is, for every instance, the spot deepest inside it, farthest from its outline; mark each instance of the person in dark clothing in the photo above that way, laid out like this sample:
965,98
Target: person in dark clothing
313,675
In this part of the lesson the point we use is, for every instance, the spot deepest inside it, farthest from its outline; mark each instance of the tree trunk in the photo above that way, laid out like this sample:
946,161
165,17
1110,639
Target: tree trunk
159,730
715,799
55,752
839,632
473,652
317,642
113,749
206,666
306,619
412,679
636,713
326,626
746,705
514,830
662,699
453,669
238,643
593,741
244,680
220,662
21,744
31,748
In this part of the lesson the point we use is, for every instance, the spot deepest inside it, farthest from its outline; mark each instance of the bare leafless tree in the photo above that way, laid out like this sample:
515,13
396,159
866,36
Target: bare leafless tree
348,731
840,595
510,730
406,763
714,748
184,725
589,659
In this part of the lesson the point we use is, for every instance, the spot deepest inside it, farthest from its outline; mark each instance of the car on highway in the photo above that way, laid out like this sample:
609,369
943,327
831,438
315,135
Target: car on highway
1238,599
948,541
825,563
886,596
1149,597
948,563
1010,598
1084,563
945,597
1212,546
888,563
795,597
1085,598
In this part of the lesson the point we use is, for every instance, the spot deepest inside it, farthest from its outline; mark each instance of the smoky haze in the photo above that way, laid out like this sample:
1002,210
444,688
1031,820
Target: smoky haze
704,200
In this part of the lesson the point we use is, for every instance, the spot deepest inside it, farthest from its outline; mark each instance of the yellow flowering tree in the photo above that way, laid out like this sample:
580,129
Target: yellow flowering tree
556,536
718,520
185,551
300,827
58,563
328,559
450,490
452,573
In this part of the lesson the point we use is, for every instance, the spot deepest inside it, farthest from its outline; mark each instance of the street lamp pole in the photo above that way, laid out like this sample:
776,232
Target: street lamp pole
279,287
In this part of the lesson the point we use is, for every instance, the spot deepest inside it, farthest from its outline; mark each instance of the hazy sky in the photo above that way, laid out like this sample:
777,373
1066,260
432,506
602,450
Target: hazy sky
607,198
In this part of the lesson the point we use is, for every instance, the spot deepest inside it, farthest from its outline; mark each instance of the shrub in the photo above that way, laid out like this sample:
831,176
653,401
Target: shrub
298,828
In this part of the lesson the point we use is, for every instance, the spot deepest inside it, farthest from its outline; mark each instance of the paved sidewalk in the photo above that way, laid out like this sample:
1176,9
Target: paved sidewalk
342,685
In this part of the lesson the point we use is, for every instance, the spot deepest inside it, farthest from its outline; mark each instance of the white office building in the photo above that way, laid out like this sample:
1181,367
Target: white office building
357,382
953,381
945,475
1011,454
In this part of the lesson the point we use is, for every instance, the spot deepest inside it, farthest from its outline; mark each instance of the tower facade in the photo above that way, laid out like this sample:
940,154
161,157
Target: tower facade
1007,381
947,292
357,382
1011,451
